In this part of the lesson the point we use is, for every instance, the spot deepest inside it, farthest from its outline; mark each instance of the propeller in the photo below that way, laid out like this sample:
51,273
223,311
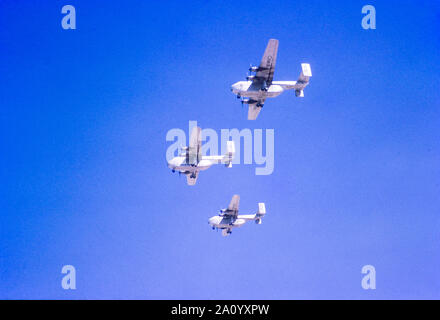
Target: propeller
253,68
250,70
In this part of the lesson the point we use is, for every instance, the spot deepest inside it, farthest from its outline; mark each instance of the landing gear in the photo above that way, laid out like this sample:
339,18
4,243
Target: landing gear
192,176
259,105
238,96
173,171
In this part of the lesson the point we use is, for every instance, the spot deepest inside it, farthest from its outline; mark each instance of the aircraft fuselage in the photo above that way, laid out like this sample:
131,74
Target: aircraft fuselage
180,164
222,222
251,90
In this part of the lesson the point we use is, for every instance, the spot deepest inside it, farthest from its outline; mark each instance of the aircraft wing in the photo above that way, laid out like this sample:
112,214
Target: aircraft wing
233,206
267,66
194,153
254,110
191,179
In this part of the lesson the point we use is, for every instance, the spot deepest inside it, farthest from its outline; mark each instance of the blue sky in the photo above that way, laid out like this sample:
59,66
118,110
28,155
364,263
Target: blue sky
84,115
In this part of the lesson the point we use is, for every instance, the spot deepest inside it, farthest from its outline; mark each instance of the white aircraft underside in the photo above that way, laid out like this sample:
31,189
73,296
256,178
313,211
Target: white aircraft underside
180,164
247,90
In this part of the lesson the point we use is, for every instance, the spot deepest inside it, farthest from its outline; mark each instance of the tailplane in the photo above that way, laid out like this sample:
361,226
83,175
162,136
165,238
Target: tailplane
230,153
300,84
261,212
303,79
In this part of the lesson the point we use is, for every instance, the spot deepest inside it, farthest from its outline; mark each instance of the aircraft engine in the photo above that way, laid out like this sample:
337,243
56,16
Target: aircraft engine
253,69
248,101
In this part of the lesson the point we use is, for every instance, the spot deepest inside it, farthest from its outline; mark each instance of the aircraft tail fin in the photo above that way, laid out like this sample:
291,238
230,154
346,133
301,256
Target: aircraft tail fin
261,209
303,79
230,153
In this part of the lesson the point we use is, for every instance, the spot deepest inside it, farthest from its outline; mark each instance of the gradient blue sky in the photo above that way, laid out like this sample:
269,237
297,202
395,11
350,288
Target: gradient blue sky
83,119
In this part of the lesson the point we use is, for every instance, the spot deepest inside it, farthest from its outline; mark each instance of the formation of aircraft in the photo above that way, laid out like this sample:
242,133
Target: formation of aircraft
260,86
229,218
191,161
253,92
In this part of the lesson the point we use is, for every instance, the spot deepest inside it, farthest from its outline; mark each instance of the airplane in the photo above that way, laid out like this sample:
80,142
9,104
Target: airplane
260,86
229,217
191,161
